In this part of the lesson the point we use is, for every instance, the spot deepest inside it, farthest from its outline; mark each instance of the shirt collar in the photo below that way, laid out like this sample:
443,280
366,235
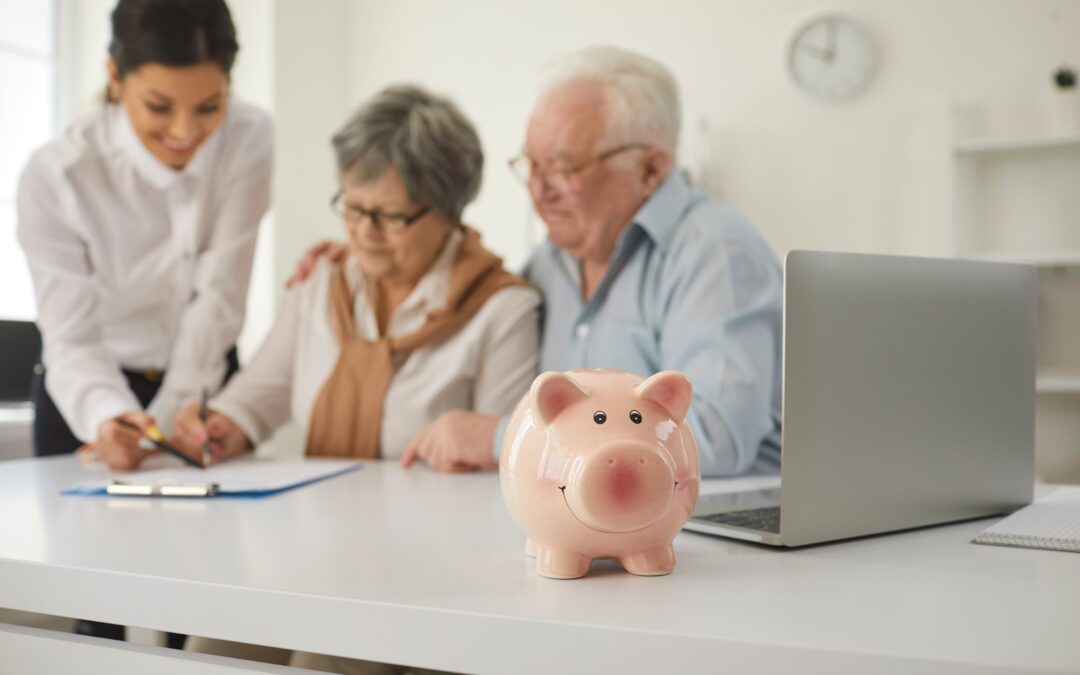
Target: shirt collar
659,215
159,174
431,291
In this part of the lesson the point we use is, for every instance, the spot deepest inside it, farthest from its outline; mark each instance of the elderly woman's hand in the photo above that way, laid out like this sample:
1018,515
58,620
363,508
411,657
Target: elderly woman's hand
334,251
226,439
458,440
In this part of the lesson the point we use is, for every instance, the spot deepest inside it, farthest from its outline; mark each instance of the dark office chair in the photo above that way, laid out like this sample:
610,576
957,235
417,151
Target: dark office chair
20,349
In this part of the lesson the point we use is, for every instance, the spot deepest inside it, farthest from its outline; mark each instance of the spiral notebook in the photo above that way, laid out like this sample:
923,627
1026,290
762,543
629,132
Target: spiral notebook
1052,522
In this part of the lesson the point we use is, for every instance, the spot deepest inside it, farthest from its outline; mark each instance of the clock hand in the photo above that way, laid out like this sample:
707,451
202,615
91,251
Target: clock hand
816,51
830,46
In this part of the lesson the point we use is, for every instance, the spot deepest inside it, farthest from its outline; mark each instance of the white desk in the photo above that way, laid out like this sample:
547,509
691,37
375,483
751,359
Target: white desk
426,569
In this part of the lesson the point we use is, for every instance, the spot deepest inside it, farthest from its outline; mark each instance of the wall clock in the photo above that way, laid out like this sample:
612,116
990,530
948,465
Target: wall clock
832,58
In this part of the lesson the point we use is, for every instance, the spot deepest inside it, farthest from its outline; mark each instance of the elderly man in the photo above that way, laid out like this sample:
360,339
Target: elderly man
640,272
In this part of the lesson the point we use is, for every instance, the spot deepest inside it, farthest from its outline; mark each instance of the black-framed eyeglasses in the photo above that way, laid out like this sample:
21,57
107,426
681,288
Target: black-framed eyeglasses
559,174
384,221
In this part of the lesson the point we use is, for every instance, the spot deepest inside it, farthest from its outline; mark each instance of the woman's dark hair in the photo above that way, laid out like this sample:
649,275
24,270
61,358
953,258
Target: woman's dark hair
172,33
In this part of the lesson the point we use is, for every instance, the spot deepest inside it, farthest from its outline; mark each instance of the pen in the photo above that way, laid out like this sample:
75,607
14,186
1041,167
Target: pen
155,439
204,413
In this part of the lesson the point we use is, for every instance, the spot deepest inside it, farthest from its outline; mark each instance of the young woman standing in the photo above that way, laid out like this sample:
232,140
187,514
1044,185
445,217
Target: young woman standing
139,224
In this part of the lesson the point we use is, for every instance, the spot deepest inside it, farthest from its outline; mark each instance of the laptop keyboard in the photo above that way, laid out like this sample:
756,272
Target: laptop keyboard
766,519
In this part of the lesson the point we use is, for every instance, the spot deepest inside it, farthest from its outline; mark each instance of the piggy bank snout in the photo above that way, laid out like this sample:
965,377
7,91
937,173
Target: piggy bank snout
620,487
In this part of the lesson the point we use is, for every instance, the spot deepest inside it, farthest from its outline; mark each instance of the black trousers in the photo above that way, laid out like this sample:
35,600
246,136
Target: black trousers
53,436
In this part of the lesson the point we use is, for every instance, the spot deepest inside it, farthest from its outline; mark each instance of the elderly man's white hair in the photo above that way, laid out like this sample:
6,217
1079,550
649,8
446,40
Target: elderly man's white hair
642,93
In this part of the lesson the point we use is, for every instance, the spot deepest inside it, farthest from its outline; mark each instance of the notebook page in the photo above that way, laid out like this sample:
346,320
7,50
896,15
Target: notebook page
1051,522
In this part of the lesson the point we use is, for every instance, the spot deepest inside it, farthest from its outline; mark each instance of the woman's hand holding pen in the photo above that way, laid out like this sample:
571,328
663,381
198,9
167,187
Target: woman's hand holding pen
117,443
226,439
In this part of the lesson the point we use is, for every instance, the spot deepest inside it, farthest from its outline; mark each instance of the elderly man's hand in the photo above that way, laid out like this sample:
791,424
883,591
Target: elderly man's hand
334,251
458,440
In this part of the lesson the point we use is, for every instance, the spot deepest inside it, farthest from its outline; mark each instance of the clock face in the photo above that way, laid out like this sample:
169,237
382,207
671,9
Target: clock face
832,58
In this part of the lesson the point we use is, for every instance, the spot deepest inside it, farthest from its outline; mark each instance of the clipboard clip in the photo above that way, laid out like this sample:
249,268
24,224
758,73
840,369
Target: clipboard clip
134,489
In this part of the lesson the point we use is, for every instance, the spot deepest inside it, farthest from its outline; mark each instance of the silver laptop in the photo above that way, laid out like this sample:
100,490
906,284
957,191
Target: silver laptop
909,399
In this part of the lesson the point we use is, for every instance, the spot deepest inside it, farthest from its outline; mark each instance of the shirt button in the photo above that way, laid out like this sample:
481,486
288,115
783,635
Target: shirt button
583,330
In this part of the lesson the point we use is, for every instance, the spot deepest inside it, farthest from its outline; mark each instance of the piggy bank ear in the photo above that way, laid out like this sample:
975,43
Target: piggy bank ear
553,393
670,390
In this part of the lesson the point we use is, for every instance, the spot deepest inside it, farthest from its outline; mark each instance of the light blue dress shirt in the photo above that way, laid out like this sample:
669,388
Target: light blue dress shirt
691,287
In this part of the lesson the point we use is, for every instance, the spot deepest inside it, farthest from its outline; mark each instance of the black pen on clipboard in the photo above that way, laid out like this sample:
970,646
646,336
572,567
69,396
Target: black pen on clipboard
149,443
204,414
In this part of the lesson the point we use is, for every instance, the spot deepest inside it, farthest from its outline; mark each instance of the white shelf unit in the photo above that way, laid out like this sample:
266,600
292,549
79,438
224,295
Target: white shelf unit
1018,200
1023,144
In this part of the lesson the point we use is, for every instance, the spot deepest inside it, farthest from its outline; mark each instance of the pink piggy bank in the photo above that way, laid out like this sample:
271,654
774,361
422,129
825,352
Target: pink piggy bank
601,463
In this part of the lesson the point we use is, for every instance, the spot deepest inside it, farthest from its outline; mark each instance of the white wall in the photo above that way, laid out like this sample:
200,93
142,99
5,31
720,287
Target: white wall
873,174
311,76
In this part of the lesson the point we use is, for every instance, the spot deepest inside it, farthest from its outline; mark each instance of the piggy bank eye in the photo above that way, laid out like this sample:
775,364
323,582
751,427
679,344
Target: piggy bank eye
635,417
599,417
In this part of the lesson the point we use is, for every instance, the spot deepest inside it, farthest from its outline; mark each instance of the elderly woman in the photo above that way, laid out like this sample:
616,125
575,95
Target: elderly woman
418,319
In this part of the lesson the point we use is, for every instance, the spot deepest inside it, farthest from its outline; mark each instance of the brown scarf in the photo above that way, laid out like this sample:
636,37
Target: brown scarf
347,416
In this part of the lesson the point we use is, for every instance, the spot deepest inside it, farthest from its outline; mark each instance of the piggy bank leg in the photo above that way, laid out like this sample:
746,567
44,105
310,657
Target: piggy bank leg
561,564
651,562
530,547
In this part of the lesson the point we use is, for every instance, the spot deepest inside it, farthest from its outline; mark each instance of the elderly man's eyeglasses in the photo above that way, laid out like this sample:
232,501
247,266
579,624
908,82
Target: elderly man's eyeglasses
387,222
558,174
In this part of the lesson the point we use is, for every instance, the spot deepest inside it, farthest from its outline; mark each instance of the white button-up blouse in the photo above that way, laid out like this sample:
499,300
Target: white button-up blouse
138,265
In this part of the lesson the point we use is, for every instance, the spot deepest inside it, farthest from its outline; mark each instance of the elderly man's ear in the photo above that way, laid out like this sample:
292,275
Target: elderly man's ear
655,168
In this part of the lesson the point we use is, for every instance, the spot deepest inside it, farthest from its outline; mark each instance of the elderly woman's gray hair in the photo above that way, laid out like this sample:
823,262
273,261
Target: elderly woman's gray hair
642,94
425,137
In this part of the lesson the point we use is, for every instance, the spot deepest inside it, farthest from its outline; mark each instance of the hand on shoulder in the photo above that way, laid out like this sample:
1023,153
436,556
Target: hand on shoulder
332,251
